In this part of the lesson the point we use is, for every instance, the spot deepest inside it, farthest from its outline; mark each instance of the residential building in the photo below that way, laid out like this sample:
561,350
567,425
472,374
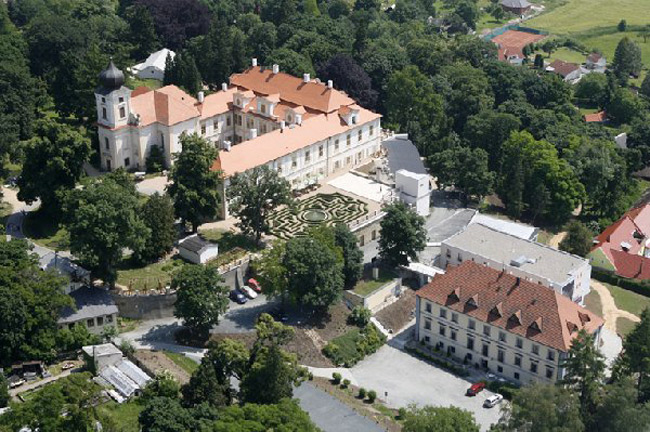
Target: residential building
154,66
303,128
77,275
570,72
565,273
500,322
94,309
597,117
197,250
624,247
517,7
596,62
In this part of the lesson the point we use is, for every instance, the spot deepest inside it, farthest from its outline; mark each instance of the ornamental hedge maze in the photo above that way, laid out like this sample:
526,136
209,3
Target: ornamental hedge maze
329,209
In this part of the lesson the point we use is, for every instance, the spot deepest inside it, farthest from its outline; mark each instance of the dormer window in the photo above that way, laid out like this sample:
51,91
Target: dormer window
238,102
472,302
496,310
515,319
289,118
263,108
536,325
354,119
103,100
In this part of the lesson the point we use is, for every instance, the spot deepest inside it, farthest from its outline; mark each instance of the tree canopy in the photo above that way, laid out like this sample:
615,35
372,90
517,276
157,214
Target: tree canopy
402,234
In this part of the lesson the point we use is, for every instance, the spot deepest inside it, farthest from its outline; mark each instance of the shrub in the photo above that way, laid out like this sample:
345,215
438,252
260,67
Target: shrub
346,383
402,413
372,395
639,287
360,316
362,393
353,346
505,389
438,362
310,376
156,160
336,377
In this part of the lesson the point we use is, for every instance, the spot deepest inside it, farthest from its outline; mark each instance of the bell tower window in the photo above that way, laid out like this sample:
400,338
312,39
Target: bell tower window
122,112
104,116
107,144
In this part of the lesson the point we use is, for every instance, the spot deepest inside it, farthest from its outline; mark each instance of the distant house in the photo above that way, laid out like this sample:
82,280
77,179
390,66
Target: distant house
94,308
596,62
570,72
154,66
517,7
598,117
77,275
197,250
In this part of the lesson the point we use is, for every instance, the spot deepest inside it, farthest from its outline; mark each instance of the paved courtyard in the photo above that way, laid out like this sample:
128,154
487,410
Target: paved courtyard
411,380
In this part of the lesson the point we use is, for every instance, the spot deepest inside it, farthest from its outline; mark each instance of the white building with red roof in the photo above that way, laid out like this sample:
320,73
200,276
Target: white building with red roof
301,127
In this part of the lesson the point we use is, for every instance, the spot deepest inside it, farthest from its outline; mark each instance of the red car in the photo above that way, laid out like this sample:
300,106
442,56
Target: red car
475,389
255,285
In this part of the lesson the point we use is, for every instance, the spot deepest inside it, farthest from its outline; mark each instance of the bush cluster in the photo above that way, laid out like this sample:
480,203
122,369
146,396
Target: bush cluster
439,362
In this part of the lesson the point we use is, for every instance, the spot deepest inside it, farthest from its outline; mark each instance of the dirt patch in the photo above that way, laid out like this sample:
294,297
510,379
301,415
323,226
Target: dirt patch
156,362
396,315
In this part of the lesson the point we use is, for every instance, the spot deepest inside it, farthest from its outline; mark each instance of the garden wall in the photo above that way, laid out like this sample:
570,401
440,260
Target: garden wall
376,299
143,306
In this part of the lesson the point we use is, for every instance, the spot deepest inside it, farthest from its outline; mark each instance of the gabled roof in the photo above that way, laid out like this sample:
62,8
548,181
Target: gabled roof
524,308
562,68
168,105
630,265
594,57
195,243
599,117
216,103
90,303
292,89
515,3
156,59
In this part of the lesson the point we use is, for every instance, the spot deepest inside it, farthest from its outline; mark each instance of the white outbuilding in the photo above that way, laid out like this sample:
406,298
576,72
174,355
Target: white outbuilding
154,66
197,250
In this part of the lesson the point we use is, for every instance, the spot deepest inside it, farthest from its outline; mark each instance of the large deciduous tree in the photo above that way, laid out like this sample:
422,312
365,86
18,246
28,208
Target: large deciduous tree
402,234
177,21
352,254
635,357
195,185
439,419
348,76
53,164
103,219
579,239
254,195
464,168
201,297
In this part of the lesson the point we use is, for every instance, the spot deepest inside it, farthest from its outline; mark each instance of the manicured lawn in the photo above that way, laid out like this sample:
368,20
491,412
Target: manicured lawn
367,285
347,344
624,326
228,240
134,83
607,44
593,303
43,230
564,54
185,363
628,300
124,417
150,276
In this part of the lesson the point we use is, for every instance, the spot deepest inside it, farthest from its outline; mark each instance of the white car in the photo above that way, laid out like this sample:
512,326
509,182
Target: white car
250,292
493,400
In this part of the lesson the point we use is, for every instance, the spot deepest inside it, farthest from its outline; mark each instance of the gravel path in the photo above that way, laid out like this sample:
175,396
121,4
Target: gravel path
610,311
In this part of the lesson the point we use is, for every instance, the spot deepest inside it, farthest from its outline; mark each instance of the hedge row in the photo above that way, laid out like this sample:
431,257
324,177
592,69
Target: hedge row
456,370
505,389
637,286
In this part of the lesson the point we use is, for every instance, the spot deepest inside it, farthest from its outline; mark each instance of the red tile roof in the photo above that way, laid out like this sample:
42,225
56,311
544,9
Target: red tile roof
630,230
631,266
168,105
598,117
563,68
522,307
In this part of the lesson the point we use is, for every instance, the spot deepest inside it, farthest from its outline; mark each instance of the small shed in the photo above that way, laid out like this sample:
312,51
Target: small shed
154,66
197,250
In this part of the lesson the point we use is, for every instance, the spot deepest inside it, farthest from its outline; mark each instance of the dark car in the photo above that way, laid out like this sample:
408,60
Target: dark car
475,389
238,297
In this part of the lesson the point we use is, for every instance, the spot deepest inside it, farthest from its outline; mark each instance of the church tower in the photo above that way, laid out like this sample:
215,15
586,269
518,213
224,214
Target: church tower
113,100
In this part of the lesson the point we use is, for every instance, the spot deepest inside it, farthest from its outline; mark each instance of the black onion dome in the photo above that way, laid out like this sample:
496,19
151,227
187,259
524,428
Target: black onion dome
111,78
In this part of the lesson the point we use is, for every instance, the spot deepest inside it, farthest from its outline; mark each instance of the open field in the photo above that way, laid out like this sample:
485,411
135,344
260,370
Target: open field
123,417
628,300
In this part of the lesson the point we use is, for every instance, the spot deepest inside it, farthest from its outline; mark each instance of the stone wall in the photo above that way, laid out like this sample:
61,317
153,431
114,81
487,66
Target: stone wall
145,306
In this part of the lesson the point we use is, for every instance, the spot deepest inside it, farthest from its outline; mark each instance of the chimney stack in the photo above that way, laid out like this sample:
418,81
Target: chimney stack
330,84
276,68
201,97
305,78
253,133
283,124
254,62
224,86
298,119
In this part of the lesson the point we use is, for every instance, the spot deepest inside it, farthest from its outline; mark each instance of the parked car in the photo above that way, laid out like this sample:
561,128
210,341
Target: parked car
238,297
15,381
475,389
67,366
46,374
493,400
250,293
30,376
255,285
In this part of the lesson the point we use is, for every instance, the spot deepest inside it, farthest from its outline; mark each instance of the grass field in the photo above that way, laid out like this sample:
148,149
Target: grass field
185,363
148,277
123,417
367,285
593,303
624,326
628,300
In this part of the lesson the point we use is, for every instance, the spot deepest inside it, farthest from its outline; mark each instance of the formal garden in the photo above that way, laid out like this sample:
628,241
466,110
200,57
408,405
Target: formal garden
329,209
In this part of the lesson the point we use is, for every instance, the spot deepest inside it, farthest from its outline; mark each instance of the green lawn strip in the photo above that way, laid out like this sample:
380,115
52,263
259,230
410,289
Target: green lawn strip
624,326
227,240
185,363
368,285
627,300
124,417
149,276
593,303
134,82
44,231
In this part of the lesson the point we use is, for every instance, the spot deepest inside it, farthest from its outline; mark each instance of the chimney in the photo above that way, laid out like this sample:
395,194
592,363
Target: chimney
224,87
298,119
201,97
254,62
253,133
330,84
305,78
276,68
283,124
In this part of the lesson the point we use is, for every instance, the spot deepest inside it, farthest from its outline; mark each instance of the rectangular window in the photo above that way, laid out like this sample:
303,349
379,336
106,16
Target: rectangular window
535,349
127,162
427,339
337,164
320,151
202,129
500,369
336,145
90,323
371,131
472,324
452,350
294,162
263,128
470,343
349,140
443,313
109,318
501,355
103,100
307,155
348,160
100,321
215,125
107,144
550,355
374,236
518,360
519,343
228,121
448,254
360,137
502,336
533,367
516,375
427,325
454,317
442,330
427,306
549,372
486,330
460,258
121,100
104,113
453,334
263,109
122,112
485,350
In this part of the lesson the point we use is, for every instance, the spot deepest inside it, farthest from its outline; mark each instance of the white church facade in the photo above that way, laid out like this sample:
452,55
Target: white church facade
305,129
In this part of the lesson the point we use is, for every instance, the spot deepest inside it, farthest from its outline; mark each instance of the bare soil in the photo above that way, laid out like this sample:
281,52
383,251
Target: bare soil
396,315
157,362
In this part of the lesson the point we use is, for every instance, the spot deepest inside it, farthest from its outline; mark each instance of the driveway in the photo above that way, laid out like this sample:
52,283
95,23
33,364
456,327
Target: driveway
408,380
152,185
330,414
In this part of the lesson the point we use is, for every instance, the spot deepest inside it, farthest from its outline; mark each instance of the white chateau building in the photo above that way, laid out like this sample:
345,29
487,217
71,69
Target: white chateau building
301,127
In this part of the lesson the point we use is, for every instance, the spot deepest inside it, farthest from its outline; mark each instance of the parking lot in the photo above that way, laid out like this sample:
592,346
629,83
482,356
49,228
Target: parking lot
410,380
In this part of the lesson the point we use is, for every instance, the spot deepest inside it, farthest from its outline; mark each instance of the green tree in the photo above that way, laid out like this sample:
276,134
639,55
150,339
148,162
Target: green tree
183,72
103,219
352,254
539,61
292,62
285,416
593,89
254,195
142,32
585,372
542,408
270,269
470,93
194,186
155,160
201,297
439,419
313,271
158,216
311,7
488,130
68,340
165,414
619,410
163,385
468,11
624,106
402,234
465,169
53,164
4,391
271,377
645,86
635,357
579,239
627,59
622,25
